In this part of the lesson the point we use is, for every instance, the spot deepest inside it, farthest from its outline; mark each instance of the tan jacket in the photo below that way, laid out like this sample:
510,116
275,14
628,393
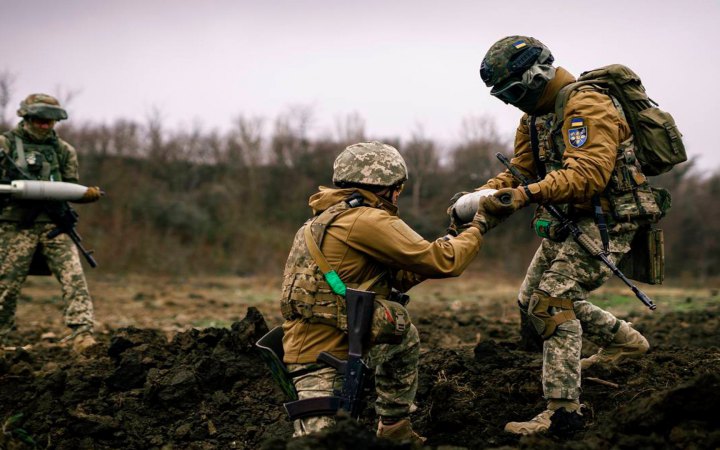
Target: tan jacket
585,170
366,241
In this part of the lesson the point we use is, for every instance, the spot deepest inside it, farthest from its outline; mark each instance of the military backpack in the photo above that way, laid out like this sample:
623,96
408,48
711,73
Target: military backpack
658,142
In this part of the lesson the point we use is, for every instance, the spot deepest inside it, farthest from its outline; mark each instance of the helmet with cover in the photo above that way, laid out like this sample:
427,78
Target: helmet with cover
518,68
369,164
41,106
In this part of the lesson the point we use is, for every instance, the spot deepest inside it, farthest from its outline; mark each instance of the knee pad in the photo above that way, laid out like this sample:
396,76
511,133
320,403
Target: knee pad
541,317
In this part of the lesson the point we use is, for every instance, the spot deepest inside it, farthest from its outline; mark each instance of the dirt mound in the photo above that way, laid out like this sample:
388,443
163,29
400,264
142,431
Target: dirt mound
208,389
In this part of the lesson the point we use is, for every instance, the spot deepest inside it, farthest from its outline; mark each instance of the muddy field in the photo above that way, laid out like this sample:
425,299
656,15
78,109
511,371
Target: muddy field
175,368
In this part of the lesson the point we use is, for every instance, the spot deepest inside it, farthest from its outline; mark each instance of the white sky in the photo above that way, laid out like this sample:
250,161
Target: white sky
399,64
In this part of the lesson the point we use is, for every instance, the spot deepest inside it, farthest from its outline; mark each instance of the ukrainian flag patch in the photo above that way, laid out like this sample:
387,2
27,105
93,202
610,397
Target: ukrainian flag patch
577,122
519,44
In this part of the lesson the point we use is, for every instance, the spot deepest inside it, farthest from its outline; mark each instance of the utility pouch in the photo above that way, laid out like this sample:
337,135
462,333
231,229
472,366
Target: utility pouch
645,262
547,226
631,197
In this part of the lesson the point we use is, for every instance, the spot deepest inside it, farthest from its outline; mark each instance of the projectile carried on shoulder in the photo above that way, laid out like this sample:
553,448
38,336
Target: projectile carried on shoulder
43,190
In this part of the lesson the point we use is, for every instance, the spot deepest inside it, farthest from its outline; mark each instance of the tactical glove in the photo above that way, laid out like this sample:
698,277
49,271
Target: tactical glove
491,212
92,194
518,197
454,228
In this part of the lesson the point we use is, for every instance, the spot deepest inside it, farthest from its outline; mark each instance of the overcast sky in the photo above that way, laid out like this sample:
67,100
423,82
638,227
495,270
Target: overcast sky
399,64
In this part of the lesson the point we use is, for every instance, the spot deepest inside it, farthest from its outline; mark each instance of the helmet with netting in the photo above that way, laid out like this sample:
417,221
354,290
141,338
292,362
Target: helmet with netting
369,163
510,57
42,106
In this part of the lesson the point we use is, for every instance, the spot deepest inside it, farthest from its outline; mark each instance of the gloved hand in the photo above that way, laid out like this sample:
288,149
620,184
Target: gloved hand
517,197
454,228
92,194
491,212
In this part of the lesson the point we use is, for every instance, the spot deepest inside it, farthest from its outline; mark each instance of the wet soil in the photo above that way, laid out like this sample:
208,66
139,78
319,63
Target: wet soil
208,389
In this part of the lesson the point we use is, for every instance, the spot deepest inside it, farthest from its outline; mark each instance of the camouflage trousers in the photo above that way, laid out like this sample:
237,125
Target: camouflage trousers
17,246
393,354
565,270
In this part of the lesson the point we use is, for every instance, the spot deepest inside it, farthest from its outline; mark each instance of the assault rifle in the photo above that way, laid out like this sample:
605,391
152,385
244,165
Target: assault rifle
54,197
581,238
360,306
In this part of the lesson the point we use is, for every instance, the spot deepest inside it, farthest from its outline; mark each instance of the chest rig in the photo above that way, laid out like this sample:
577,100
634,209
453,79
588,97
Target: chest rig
628,195
40,161
306,293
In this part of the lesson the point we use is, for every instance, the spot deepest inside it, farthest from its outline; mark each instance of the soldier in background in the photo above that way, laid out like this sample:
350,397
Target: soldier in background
573,158
370,248
38,152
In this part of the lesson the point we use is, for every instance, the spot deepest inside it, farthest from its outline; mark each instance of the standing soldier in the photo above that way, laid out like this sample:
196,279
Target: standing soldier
358,231
40,154
572,157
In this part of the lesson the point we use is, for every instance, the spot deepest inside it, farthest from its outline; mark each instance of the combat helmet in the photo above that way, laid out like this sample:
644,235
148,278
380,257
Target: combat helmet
42,106
516,66
369,163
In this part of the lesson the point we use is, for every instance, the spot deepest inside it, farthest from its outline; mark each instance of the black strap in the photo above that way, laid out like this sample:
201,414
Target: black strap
601,223
535,145
313,407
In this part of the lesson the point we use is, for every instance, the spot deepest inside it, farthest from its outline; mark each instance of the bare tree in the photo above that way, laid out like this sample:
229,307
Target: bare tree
350,128
290,139
421,157
7,80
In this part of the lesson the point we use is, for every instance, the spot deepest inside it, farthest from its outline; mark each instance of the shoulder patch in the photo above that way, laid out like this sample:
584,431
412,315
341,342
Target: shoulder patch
577,133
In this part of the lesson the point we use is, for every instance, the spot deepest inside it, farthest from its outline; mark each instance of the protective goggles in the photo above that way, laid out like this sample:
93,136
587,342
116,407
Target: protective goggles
514,89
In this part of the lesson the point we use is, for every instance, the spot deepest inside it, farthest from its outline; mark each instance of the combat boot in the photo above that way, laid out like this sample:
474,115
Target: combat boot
628,343
400,432
81,338
568,411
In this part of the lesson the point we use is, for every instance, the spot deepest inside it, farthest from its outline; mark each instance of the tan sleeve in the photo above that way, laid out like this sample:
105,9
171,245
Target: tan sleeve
587,167
390,241
522,159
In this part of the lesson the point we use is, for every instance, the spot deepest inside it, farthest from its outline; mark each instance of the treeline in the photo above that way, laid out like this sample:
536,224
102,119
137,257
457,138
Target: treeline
194,201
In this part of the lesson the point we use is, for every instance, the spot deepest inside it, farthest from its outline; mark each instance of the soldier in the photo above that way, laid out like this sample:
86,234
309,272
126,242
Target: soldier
573,158
367,244
39,153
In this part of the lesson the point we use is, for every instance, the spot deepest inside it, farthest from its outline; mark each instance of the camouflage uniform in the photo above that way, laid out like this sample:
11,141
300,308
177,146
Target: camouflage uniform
24,228
578,161
364,244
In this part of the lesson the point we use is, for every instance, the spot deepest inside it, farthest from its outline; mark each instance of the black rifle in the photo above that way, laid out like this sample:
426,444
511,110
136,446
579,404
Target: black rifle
360,306
61,213
581,238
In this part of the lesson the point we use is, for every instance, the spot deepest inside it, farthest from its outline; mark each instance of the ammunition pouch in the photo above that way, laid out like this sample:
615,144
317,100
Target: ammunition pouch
645,262
547,226
540,316
630,195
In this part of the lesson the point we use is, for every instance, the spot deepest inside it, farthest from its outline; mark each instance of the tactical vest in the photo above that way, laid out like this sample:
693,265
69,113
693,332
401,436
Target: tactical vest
628,192
39,162
305,293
